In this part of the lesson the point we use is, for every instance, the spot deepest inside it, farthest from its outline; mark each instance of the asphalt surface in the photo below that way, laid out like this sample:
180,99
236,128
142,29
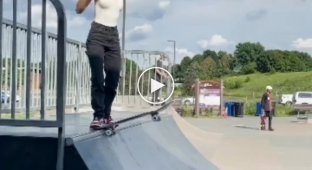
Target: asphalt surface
238,144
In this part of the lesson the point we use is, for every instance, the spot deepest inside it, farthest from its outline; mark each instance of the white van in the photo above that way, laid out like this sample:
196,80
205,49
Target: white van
302,97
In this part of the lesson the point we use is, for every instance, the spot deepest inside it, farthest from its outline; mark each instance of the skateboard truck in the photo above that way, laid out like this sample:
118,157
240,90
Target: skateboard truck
155,116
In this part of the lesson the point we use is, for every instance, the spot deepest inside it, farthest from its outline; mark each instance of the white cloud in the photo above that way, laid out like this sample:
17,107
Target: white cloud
144,28
303,44
180,53
164,4
74,21
37,16
184,52
215,41
139,32
151,10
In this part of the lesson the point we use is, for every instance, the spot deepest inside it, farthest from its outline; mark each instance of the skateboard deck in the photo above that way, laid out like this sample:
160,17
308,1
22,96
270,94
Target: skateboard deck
110,129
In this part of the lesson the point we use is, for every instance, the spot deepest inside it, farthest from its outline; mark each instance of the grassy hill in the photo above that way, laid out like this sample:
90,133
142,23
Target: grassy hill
254,85
249,88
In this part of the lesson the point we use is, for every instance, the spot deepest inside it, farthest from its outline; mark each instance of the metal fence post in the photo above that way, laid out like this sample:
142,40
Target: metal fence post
197,97
61,81
28,60
1,20
78,72
14,59
43,61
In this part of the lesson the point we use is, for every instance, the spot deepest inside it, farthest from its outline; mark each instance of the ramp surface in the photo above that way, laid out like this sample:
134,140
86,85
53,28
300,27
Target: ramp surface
148,146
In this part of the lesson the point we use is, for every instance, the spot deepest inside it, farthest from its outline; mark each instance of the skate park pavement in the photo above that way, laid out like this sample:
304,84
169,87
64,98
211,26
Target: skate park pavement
189,143
238,144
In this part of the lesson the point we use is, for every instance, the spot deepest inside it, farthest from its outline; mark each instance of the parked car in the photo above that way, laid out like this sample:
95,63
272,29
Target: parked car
302,97
5,97
286,99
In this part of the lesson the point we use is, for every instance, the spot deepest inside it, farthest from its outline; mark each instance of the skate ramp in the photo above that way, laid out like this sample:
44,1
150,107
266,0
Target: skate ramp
205,142
145,146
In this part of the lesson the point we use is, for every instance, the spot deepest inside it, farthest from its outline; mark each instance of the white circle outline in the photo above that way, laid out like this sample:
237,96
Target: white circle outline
138,85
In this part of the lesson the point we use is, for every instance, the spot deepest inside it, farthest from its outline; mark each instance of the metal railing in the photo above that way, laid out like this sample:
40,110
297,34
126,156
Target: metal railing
77,68
16,55
135,63
77,71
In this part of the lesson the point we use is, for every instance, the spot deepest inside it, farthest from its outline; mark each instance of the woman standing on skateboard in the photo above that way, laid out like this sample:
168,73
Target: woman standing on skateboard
103,50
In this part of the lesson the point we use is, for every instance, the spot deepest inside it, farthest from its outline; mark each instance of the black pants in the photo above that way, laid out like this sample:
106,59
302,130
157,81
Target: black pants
103,50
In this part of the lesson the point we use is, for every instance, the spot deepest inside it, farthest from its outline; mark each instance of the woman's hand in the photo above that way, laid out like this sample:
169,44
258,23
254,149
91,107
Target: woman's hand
82,5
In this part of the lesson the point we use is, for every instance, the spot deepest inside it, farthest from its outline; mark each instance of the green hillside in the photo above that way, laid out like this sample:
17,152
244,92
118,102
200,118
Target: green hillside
253,85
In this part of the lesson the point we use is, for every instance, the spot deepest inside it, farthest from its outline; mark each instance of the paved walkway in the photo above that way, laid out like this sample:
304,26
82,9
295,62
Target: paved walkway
240,144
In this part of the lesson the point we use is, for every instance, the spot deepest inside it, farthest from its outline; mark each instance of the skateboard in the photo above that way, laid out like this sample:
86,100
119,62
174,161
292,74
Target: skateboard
110,129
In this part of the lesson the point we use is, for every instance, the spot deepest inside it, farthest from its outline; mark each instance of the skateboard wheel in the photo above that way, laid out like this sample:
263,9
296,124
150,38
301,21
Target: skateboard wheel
109,132
156,118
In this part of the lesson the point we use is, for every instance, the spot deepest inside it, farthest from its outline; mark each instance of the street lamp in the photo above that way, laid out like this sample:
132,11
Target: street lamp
174,54
124,10
123,42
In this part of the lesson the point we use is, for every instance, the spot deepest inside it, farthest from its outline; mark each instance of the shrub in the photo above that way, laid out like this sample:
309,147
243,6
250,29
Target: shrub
233,84
247,79
249,68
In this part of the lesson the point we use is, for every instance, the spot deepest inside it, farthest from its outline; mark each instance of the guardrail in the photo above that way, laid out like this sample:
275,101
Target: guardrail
20,54
302,108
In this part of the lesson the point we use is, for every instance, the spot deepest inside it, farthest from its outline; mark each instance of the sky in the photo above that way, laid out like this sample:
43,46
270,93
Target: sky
195,25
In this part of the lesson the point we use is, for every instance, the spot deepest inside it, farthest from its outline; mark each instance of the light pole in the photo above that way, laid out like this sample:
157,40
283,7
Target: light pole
123,42
124,10
174,55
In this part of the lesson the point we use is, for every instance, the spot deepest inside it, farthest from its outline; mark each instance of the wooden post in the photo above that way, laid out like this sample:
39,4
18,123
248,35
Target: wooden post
221,98
197,97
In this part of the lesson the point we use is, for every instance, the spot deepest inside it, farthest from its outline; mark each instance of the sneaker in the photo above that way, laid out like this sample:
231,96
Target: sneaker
110,121
97,123
262,128
271,129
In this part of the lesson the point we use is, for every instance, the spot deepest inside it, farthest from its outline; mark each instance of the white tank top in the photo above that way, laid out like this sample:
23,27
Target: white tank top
107,12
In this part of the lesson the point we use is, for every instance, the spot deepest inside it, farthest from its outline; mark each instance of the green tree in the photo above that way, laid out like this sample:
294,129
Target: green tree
191,74
226,62
212,54
208,69
186,61
246,53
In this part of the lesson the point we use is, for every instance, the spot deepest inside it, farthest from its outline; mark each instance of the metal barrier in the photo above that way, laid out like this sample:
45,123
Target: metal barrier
77,71
16,51
302,109
137,61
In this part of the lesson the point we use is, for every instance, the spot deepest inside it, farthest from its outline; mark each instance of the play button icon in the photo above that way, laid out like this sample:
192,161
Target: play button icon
155,85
